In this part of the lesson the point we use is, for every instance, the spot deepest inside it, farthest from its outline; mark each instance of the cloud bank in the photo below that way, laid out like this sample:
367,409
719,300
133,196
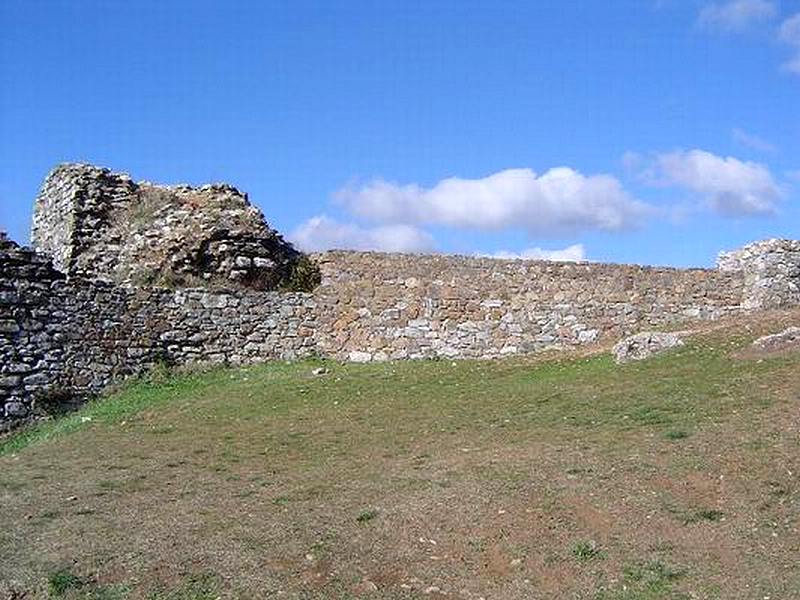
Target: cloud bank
559,201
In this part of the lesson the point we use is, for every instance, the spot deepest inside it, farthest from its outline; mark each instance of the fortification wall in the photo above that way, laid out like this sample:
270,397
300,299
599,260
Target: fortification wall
71,335
75,337
771,272
388,306
93,316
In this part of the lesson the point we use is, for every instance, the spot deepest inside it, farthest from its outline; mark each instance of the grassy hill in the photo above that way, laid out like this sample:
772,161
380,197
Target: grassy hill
552,477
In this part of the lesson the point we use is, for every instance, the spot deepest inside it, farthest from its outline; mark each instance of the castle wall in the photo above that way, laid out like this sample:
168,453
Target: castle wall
72,212
95,313
77,336
771,272
376,306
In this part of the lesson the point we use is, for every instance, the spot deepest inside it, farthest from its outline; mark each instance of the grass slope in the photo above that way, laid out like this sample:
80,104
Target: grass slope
563,478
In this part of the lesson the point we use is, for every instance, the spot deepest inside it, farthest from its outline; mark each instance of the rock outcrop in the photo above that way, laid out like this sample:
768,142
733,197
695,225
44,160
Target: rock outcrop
788,338
97,224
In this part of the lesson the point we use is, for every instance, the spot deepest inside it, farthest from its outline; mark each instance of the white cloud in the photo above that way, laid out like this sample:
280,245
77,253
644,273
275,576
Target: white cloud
323,233
736,15
730,186
574,253
558,201
752,141
790,34
790,30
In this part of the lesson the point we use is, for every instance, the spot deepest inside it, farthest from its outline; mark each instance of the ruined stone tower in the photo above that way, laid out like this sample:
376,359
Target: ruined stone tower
98,224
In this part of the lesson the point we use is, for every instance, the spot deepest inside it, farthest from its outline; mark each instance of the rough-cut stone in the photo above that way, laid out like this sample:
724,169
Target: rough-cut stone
644,345
771,270
103,225
15,409
789,337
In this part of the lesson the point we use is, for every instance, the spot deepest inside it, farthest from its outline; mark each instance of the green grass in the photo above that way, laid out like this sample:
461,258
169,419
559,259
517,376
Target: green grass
135,397
670,394
585,551
62,581
653,580
201,586
367,515
247,472
65,584
709,515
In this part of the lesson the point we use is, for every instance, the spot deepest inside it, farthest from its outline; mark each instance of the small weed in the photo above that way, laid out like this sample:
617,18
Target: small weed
676,434
585,551
114,592
162,430
367,515
711,515
62,581
577,471
303,277
160,372
56,401
654,573
645,581
281,501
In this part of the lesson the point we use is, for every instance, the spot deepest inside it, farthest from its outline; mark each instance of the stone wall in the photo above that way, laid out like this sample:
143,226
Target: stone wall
102,225
771,272
75,337
71,335
390,306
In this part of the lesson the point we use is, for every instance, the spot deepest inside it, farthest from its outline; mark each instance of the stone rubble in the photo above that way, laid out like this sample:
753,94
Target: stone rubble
788,337
644,345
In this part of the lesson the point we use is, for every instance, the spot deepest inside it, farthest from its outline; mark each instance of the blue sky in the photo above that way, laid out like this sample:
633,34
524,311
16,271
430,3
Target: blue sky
655,132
